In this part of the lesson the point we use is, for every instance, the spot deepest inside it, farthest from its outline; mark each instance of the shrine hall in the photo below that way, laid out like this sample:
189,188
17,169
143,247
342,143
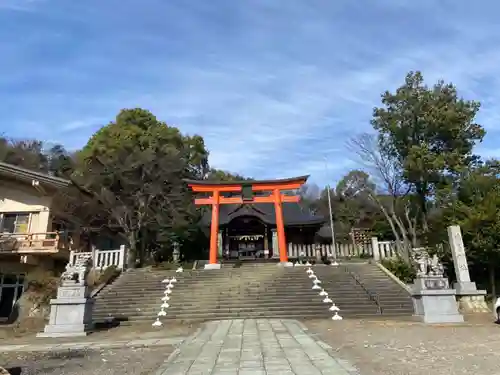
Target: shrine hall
255,219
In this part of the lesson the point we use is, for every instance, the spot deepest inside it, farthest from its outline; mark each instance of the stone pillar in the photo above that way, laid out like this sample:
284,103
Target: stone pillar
219,244
276,253
266,243
469,299
226,243
375,249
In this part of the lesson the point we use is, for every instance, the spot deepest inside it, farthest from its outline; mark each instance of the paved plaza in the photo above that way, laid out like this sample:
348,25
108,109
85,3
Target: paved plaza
378,347
254,347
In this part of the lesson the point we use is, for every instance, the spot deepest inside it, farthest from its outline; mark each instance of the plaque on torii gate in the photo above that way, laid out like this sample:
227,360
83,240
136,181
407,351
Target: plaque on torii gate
243,192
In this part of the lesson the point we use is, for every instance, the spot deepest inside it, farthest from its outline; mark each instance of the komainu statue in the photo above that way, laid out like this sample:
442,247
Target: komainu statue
77,273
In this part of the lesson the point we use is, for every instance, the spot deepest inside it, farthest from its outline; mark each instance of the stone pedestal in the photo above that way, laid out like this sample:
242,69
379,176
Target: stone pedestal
215,266
470,299
434,301
70,312
285,264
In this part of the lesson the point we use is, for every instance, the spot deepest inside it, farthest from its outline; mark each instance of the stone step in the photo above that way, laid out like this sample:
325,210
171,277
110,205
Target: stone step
256,298
236,314
228,287
192,293
227,284
239,302
242,304
271,281
204,316
216,309
249,291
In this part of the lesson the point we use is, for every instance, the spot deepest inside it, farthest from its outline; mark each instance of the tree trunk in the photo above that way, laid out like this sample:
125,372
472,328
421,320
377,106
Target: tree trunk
492,280
132,253
388,218
421,193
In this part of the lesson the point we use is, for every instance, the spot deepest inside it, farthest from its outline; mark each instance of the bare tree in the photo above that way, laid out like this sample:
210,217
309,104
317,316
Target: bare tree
393,195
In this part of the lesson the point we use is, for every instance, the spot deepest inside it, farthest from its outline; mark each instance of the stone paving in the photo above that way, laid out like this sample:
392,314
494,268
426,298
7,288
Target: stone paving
254,347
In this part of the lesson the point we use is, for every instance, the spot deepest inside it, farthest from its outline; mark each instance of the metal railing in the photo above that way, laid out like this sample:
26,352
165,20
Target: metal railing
372,295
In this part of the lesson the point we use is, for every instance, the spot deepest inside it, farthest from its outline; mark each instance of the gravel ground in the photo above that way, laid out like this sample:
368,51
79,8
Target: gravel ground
125,361
9,335
408,348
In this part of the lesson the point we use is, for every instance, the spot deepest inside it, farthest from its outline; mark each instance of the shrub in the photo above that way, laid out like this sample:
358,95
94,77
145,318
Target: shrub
41,286
109,275
401,269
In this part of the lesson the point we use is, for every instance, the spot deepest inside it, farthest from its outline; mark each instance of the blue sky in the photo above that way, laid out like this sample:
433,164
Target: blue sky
274,86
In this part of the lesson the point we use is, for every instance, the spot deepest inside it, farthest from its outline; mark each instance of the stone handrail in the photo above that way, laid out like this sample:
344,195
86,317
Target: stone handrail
383,249
103,259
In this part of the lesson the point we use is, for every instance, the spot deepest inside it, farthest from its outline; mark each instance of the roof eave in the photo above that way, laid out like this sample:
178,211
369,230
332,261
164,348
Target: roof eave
27,175
246,182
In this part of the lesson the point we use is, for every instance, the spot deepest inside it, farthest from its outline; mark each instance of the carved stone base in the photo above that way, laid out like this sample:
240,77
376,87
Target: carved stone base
285,264
434,302
472,304
212,266
70,313
437,306
469,299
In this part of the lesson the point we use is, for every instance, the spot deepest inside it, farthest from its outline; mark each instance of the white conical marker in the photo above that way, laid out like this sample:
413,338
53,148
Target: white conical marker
165,298
316,287
179,270
323,293
157,323
310,271
334,308
312,276
316,281
165,305
162,313
327,300
173,280
336,316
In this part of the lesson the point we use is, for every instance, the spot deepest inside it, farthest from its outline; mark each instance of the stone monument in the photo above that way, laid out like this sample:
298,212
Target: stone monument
470,300
176,253
433,300
71,311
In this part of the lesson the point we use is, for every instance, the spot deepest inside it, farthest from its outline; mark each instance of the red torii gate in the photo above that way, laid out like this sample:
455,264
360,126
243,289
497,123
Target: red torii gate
274,187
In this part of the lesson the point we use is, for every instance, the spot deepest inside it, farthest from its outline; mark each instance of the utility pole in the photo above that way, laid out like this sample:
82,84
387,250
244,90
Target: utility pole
328,193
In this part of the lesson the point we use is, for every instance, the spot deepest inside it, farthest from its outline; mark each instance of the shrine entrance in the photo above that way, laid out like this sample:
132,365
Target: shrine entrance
247,192
246,239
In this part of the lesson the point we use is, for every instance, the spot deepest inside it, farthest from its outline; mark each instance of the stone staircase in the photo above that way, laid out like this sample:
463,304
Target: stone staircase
249,291
392,299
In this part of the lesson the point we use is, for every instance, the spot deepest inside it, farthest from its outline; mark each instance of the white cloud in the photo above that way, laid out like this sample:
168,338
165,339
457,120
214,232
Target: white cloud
273,88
